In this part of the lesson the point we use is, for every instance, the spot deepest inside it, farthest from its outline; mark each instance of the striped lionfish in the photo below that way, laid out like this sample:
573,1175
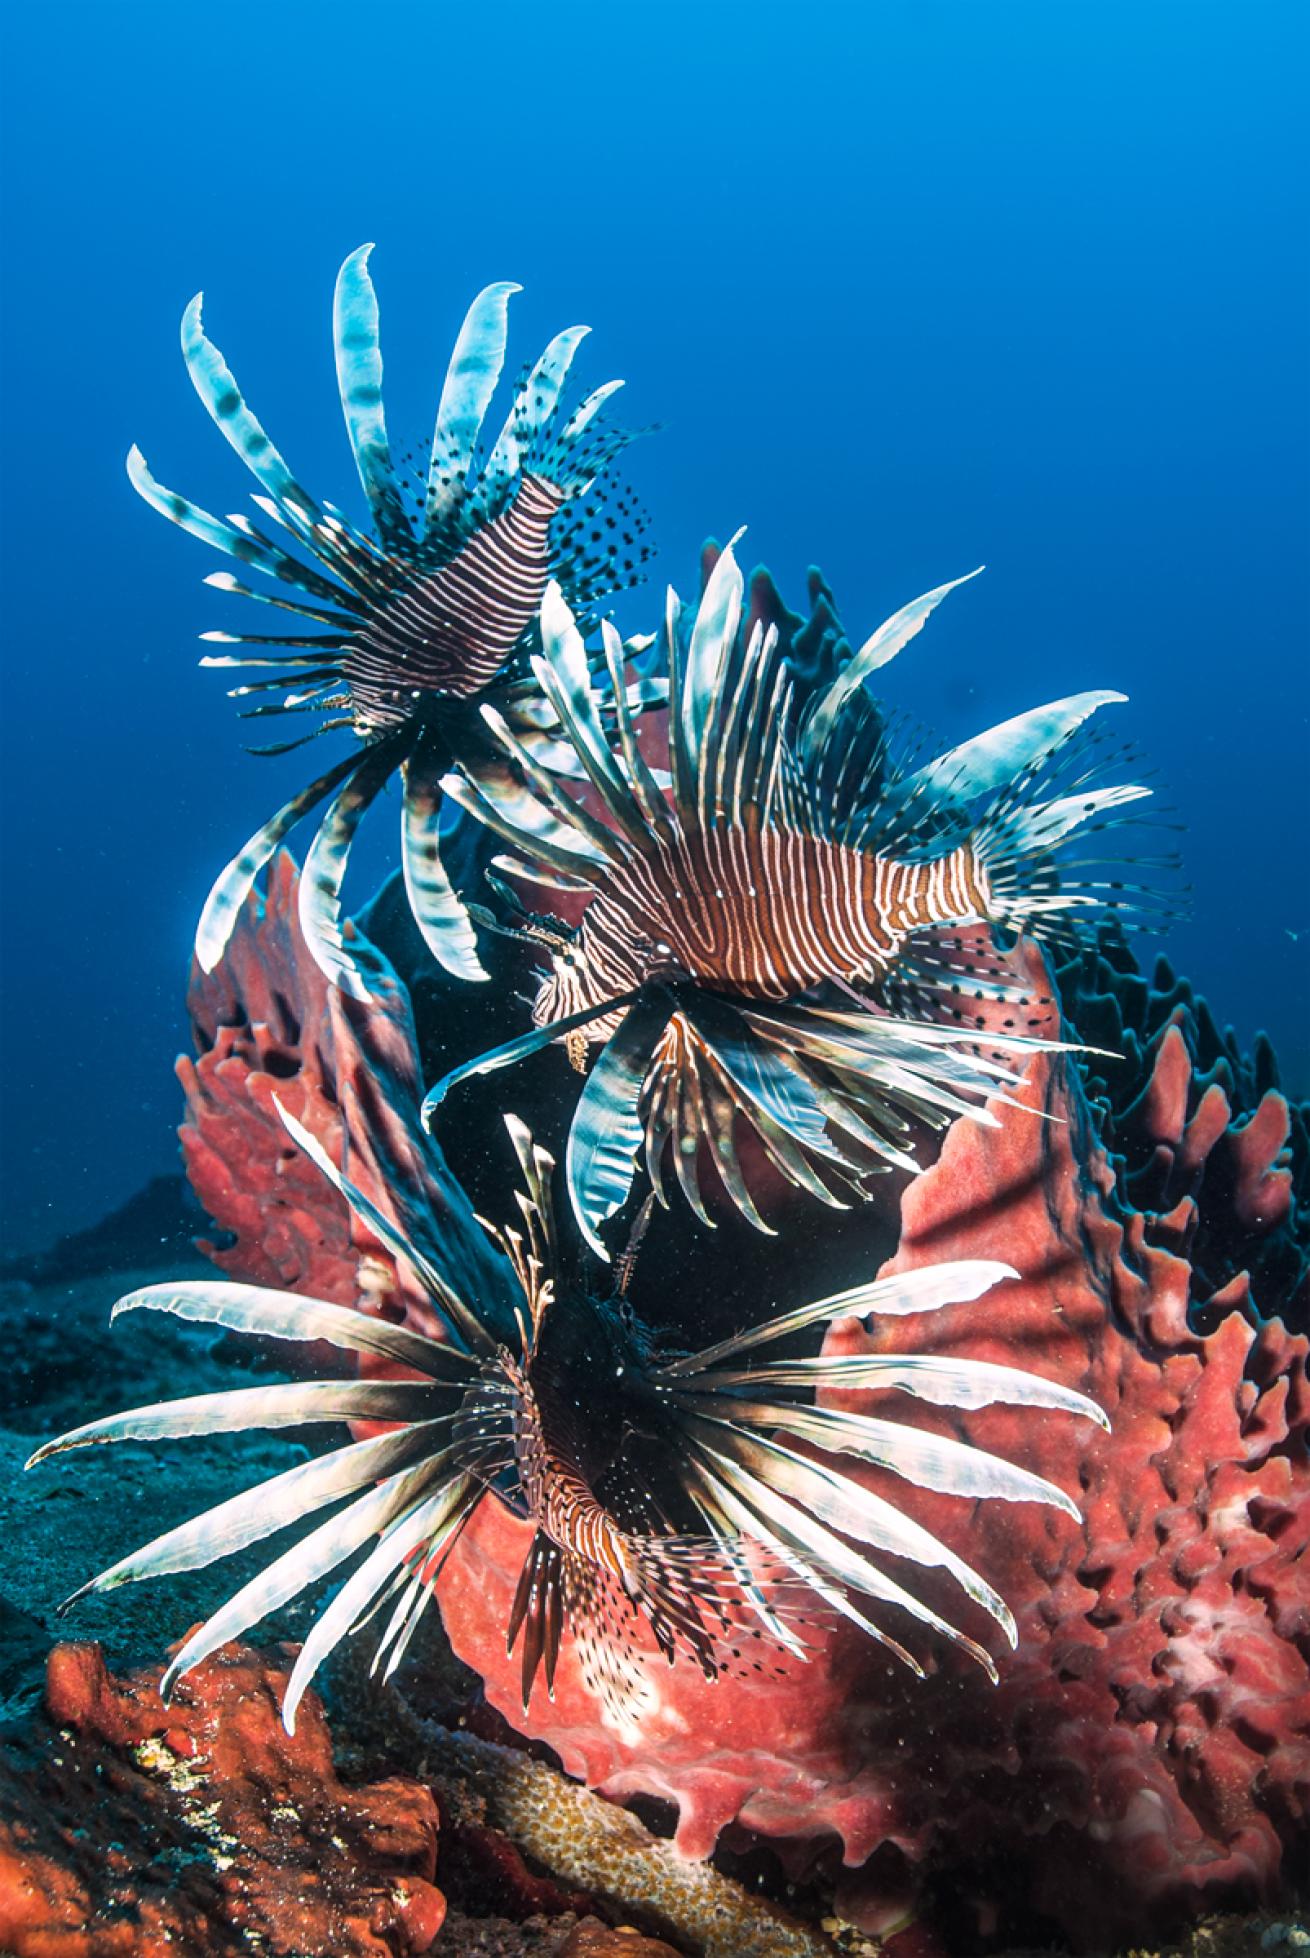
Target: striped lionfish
744,936
692,1499
420,621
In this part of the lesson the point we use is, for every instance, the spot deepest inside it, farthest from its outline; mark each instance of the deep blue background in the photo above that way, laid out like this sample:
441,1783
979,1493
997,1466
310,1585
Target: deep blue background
910,287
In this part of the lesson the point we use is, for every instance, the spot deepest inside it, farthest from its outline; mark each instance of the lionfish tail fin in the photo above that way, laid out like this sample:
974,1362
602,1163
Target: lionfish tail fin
1031,800
1045,850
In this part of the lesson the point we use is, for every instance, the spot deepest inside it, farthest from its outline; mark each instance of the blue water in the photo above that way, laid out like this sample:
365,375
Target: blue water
910,288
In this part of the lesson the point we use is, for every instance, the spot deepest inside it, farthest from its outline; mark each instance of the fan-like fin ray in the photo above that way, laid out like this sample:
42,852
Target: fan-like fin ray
908,1292
270,1505
245,543
314,1557
217,387
324,869
524,818
846,1506
236,880
1041,828
293,1405
534,406
518,1050
288,1315
812,1536
359,377
761,1079
602,843
543,843
877,651
439,912
931,1461
606,1131
406,1530
947,1383
814,1553
466,394
992,759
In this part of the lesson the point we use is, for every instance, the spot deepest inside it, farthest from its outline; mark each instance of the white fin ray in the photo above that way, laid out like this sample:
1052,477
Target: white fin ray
470,383
291,1405
439,911
400,1537
359,377
927,1290
216,385
992,759
270,1505
289,1315
312,1558
877,651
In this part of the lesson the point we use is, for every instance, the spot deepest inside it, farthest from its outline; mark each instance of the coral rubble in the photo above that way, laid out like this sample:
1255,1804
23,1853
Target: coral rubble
128,1827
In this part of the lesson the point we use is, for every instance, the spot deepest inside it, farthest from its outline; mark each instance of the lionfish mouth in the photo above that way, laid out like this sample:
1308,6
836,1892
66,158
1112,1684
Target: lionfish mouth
436,603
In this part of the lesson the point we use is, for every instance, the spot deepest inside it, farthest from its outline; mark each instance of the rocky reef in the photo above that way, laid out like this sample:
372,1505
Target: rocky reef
129,1826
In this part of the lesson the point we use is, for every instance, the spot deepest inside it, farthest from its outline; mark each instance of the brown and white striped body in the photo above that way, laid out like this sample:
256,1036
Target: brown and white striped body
759,912
559,1498
451,631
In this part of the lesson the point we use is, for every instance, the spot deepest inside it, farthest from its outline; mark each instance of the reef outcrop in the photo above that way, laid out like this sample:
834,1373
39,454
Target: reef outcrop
129,1828
1147,1753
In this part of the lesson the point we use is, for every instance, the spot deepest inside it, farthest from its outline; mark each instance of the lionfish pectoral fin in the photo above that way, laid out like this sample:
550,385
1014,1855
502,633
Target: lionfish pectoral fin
326,860
440,914
926,1290
397,1538
533,407
574,457
236,880
247,546
514,1051
835,1503
606,1132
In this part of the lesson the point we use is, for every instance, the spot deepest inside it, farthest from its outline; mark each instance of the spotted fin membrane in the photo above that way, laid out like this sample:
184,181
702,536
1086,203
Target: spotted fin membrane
753,937
708,1510
396,633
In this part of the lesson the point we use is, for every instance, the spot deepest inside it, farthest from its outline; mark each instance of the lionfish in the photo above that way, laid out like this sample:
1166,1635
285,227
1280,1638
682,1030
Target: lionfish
684,1499
420,621
746,934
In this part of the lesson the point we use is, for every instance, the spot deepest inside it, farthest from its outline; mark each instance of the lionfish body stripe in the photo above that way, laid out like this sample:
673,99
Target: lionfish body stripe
800,881
450,633
556,1491
435,610
762,913
663,1510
